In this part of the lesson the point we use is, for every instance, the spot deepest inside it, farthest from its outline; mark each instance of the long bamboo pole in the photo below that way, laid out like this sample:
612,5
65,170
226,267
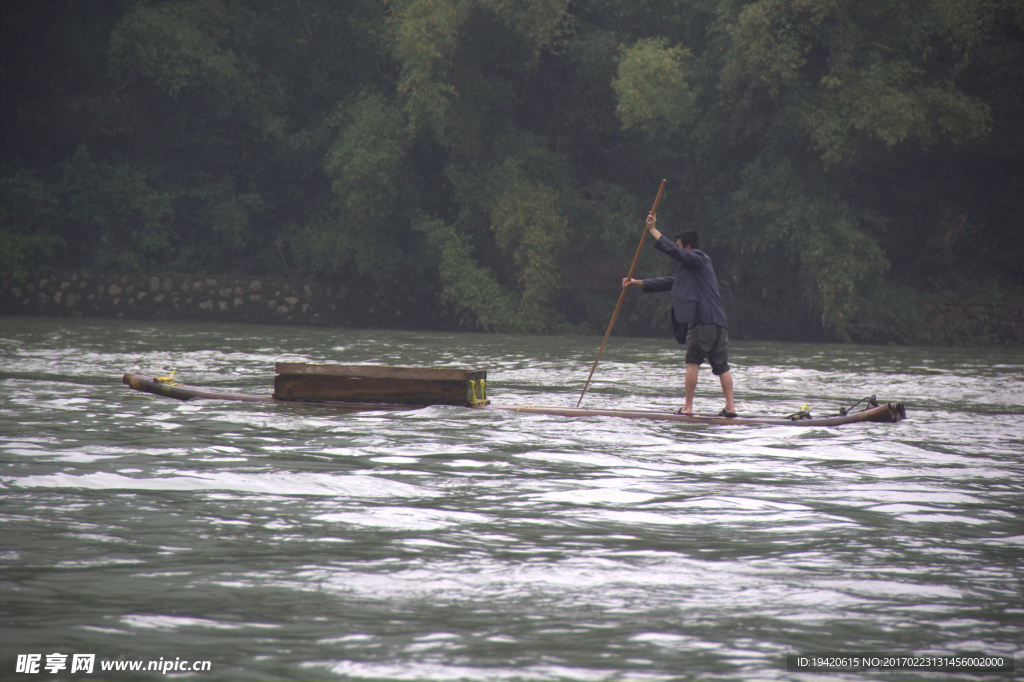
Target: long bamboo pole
622,295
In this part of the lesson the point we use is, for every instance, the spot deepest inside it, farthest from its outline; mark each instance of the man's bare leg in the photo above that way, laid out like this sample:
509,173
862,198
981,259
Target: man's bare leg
691,387
726,378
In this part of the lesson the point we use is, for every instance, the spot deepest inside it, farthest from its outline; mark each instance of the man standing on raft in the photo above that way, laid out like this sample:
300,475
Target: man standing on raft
698,317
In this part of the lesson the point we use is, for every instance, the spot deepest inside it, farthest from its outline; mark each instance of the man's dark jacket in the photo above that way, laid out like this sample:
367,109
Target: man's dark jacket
694,287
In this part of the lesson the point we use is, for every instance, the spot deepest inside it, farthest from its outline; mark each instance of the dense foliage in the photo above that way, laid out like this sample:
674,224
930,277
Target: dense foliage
839,157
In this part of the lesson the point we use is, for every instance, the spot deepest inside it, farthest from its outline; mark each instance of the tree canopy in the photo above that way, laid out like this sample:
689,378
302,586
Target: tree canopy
835,155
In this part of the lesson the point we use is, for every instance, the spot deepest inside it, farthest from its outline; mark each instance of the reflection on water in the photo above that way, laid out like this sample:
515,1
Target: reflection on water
293,542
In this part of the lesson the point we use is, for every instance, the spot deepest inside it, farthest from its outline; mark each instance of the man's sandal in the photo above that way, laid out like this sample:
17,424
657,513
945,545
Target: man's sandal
727,414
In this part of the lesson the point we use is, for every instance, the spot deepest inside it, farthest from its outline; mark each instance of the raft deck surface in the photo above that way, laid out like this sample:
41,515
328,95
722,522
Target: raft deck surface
886,412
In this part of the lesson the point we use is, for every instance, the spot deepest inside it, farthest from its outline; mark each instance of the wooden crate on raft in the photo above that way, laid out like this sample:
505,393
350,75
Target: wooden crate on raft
296,381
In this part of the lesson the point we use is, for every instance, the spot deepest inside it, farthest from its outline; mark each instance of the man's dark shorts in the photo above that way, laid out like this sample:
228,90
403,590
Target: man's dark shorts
710,342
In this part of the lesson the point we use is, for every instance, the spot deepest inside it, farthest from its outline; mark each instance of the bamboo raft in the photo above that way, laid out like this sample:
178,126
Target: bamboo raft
382,388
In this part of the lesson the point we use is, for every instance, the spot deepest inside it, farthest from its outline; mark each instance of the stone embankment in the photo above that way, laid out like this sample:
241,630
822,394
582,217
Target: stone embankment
204,297
309,302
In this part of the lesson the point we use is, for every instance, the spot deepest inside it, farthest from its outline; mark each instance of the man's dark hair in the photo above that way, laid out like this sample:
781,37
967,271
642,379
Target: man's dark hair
689,237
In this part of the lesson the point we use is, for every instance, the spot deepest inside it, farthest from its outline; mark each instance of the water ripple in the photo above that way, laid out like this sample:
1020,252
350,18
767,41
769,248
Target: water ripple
290,542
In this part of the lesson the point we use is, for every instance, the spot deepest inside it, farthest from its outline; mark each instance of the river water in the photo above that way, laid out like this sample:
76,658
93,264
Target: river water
295,542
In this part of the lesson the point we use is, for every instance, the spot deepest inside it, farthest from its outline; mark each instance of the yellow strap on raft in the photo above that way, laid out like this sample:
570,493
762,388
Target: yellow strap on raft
804,413
482,400
169,380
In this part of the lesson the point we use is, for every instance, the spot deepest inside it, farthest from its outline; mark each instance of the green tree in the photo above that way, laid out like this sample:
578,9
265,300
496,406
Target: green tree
499,155
807,94
91,215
